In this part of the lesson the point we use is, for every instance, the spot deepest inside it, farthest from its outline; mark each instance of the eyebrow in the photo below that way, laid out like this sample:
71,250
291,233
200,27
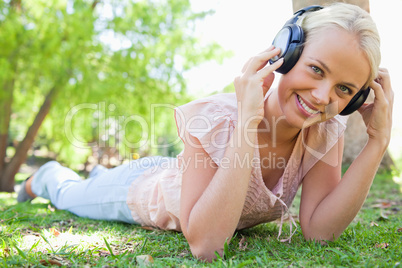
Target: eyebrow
329,71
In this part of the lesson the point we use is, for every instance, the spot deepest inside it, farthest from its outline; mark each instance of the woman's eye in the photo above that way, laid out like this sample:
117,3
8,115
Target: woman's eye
317,70
344,89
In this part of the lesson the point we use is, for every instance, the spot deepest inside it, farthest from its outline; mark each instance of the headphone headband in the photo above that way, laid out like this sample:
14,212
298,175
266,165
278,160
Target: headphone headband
300,12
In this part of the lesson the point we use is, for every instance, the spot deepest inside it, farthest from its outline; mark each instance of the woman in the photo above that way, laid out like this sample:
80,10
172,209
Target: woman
246,154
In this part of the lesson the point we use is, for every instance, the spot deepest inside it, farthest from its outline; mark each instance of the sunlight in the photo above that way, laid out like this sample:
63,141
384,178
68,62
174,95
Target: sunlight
52,241
398,180
56,241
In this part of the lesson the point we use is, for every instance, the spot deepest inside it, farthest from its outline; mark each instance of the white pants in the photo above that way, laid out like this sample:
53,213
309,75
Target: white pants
102,196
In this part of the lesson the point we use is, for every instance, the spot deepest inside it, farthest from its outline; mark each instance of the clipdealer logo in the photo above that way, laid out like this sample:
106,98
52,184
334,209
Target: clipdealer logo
212,132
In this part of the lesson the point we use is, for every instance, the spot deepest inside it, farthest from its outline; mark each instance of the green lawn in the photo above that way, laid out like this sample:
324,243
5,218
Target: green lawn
34,235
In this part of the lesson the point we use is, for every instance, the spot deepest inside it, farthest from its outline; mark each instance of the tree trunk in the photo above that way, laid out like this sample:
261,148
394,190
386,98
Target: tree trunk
5,106
355,135
298,4
7,177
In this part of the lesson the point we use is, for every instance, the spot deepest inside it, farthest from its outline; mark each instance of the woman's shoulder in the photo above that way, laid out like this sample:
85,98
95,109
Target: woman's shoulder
211,120
211,107
219,100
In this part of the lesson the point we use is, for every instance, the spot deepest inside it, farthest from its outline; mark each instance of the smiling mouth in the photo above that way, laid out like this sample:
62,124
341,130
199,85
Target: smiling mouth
304,105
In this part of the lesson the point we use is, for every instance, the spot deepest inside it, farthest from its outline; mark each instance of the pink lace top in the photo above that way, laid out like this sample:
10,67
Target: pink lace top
154,197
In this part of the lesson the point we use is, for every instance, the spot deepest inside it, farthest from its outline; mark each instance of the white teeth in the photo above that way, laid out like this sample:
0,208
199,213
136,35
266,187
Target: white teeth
308,109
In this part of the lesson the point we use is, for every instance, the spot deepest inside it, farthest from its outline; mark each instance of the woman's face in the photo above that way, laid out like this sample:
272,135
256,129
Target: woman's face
330,71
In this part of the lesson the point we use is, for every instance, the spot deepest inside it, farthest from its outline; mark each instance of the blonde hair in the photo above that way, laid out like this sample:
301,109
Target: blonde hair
354,20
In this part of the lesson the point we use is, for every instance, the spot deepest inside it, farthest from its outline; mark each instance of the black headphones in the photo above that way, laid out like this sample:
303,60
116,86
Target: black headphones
290,39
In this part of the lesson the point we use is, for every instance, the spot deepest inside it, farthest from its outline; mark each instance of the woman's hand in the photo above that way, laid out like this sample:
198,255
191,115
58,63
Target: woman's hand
378,115
254,82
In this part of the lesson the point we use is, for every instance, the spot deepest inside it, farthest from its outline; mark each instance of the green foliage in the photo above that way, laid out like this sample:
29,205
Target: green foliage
112,64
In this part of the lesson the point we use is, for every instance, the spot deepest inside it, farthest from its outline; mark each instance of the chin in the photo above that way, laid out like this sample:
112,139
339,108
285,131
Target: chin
303,123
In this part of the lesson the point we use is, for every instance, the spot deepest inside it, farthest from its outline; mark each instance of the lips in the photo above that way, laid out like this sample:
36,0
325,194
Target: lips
305,108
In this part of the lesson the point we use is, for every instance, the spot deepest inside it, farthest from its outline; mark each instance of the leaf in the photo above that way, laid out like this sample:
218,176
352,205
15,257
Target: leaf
383,204
243,243
47,241
245,264
382,217
51,208
54,232
143,245
382,245
338,252
144,260
108,247
34,245
20,251
148,228
226,249
6,252
50,262
218,257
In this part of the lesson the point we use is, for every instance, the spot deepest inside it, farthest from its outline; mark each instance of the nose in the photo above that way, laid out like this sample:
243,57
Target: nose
321,94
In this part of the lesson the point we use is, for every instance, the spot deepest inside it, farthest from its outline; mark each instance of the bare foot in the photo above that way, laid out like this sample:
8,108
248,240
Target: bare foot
28,188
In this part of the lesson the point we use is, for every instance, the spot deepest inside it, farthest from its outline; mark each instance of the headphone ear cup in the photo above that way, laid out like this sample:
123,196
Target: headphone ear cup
290,40
356,102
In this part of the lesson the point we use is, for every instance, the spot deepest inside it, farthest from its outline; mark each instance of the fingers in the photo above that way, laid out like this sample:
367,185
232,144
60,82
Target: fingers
377,88
382,87
384,80
258,62
270,68
246,65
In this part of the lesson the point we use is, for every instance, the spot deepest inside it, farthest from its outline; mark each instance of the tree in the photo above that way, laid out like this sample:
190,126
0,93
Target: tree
298,4
355,135
59,55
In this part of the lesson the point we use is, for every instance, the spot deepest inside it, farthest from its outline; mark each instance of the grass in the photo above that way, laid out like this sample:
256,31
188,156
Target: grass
38,235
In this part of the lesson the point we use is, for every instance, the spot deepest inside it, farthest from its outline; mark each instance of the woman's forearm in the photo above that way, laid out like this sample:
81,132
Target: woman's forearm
216,214
339,208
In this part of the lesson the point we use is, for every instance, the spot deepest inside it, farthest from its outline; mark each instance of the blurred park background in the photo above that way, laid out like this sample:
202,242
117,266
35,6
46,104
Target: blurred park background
87,81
